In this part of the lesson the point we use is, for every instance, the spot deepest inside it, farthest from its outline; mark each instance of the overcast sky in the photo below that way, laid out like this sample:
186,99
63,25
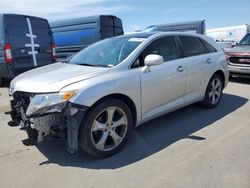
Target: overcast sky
137,14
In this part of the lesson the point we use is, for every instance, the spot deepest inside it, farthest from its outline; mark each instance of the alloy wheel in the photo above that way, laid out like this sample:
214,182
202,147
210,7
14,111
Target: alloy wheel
109,128
215,91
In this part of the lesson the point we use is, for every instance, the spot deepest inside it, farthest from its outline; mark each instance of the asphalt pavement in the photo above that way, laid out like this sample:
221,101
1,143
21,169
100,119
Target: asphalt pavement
192,147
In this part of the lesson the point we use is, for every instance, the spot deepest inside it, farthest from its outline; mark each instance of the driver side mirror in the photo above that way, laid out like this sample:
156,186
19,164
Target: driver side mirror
152,60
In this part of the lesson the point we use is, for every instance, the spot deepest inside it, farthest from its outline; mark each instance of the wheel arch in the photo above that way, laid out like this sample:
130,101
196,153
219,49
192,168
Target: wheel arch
124,98
222,75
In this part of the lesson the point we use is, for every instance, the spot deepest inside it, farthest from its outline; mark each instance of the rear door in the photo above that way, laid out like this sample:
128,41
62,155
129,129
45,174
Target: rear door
199,66
30,40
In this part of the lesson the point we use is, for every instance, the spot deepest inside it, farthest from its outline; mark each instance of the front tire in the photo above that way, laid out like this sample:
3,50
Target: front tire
213,92
105,129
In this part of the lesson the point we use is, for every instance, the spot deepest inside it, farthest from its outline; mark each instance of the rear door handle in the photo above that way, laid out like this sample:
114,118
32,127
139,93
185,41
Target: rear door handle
181,68
208,61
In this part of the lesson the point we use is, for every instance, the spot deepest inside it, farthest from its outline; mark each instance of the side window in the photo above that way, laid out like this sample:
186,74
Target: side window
192,46
166,47
209,47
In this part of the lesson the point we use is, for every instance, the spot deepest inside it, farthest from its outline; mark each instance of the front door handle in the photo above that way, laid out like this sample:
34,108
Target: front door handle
208,61
180,68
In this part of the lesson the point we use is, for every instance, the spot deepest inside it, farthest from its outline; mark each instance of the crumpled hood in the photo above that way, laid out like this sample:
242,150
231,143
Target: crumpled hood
239,49
52,78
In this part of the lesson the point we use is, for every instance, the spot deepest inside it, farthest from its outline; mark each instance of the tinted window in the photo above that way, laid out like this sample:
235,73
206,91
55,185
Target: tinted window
191,46
166,47
209,47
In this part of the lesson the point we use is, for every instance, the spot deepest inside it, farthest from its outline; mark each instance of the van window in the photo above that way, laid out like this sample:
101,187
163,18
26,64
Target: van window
192,46
76,37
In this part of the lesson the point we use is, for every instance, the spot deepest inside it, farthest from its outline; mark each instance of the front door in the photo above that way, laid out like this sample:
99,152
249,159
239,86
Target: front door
163,86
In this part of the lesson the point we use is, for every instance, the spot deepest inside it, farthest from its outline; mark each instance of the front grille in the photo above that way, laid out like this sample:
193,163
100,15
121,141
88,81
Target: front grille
240,60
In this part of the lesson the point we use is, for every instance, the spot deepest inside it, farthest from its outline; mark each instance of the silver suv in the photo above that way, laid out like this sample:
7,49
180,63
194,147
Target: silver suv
115,85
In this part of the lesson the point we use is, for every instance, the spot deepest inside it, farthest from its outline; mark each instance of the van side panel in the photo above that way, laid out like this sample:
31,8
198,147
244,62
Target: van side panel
193,26
73,35
70,37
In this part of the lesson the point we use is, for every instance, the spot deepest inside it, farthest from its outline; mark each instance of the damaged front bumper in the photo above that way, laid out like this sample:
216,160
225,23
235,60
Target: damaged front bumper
64,121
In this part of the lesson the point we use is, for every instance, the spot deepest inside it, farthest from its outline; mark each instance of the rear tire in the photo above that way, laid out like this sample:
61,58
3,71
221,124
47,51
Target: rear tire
213,92
106,128
1,82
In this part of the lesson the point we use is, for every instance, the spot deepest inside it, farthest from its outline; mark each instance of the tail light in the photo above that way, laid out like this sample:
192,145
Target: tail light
53,50
7,53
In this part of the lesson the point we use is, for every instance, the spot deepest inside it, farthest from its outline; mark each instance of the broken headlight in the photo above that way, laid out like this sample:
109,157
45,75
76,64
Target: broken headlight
48,103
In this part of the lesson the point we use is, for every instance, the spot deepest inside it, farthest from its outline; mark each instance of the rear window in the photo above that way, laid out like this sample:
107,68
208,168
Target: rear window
192,46
17,28
76,37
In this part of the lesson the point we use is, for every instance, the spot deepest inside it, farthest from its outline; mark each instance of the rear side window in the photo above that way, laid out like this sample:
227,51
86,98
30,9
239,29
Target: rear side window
209,47
192,46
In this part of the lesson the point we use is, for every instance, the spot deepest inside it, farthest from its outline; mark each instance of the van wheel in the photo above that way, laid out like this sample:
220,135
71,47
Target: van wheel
105,129
213,92
1,81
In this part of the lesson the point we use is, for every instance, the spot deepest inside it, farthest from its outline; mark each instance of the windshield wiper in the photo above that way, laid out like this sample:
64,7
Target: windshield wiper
93,65
86,64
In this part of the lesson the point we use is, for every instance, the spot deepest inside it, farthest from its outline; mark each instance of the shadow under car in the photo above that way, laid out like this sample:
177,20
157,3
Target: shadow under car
148,138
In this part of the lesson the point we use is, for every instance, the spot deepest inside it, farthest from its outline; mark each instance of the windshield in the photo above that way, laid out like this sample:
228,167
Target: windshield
107,53
245,40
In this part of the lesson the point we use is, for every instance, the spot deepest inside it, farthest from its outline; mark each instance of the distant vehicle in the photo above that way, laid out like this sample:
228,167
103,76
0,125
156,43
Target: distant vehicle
226,45
75,34
26,42
239,58
116,84
192,26
229,34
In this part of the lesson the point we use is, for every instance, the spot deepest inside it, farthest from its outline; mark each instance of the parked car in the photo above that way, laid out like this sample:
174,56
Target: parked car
239,58
226,45
73,35
117,84
26,42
